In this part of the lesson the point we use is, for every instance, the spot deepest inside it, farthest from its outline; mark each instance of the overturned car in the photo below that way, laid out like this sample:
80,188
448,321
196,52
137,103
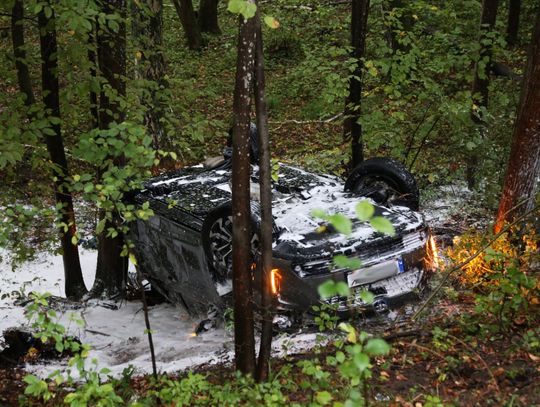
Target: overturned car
185,250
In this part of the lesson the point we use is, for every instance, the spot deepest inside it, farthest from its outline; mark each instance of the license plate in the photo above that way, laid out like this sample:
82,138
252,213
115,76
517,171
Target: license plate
376,272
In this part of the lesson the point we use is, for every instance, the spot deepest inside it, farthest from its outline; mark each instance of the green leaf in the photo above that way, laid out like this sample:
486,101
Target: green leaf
383,225
340,356
377,347
342,223
341,261
367,296
246,8
342,289
365,210
361,360
271,22
249,10
349,330
30,379
59,346
100,226
323,397
319,213
327,289
132,259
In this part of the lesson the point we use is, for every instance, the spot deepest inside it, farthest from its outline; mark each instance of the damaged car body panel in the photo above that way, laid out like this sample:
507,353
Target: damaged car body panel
184,250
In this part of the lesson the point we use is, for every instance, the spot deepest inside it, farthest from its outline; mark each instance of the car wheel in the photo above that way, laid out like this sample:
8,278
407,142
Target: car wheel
386,181
217,234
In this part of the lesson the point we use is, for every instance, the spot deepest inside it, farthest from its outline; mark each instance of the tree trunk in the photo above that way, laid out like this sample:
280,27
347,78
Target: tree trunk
521,181
352,129
483,66
74,283
512,29
481,82
186,14
406,22
111,269
244,341
148,32
208,16
17,35
92,58
265,177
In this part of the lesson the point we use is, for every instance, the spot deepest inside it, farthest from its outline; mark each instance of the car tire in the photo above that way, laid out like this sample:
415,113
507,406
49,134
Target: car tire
217,242
386,181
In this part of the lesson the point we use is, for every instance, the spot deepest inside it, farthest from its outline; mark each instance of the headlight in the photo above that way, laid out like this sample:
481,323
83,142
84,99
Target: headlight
275,281
432,254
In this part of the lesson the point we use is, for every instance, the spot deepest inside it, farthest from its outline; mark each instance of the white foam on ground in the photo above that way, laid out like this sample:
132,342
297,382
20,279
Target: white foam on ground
117,337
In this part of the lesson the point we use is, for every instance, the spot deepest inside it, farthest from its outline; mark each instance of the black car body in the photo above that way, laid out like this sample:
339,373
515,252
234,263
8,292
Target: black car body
184,249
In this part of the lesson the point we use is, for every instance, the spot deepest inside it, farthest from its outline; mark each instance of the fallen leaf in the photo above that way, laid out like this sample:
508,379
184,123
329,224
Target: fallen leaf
401,377
533,357
498,372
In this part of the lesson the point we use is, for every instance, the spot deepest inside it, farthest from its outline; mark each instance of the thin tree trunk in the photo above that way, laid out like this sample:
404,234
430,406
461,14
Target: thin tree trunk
266,207
480,92
74,283
406,22
208,16
352,129
521,182
512,29
483,66
186,14
148,32
111,269
92,58
17,35
244,341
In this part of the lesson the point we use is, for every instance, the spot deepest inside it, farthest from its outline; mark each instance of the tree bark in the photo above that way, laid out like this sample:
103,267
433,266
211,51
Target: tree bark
265,177
480,92
17,36
208,16
148,32
111,272
74,283
186,14
512,28
405,23
92,58
520,185
244,341
483,66
352,129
